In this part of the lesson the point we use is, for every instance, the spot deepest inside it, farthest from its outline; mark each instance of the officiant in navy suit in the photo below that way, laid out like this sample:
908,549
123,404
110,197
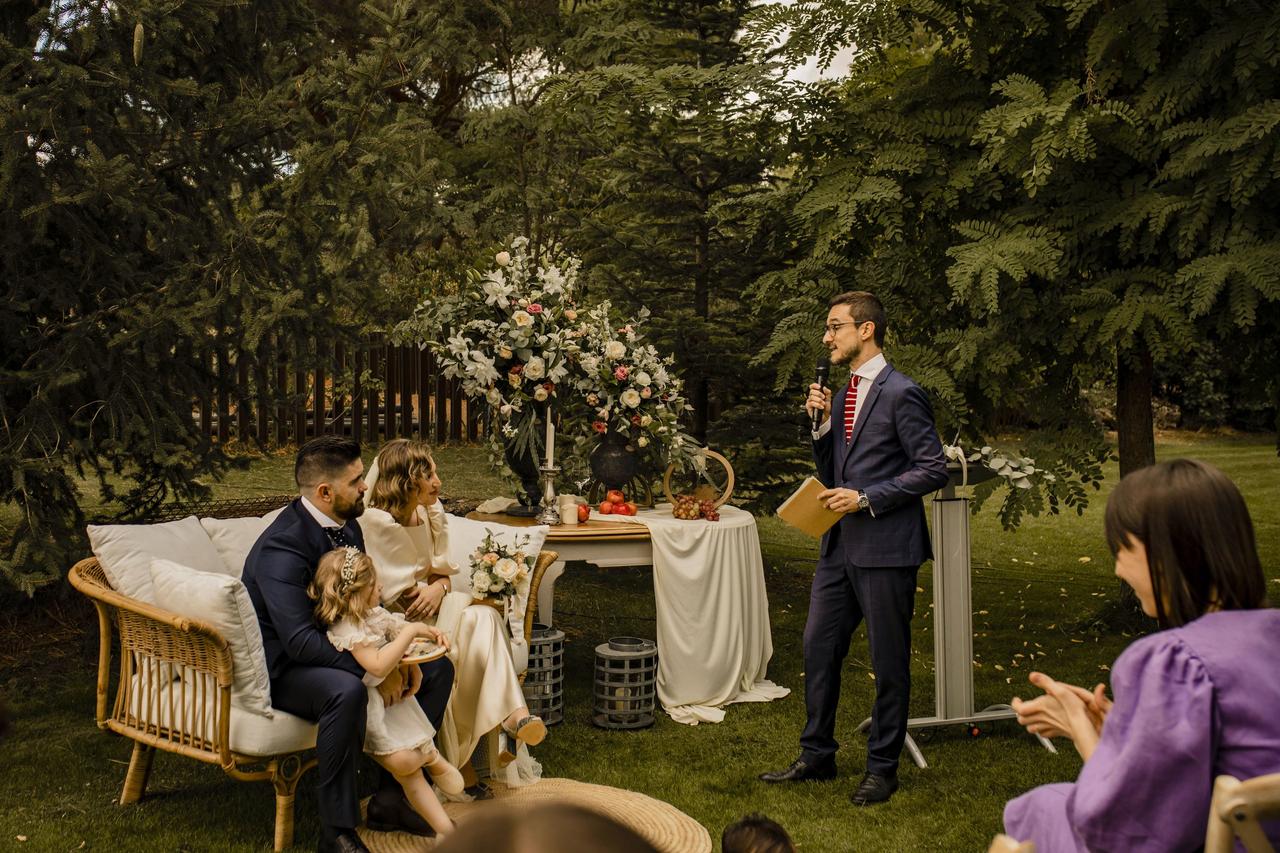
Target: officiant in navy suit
877,451
309,677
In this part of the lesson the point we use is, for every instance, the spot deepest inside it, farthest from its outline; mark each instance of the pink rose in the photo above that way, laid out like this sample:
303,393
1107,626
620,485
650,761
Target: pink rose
620,373
517,369
600,426
550,386
535,308
646,392
635,420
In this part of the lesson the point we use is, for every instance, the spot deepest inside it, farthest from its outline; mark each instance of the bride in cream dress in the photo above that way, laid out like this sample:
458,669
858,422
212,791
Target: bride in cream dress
405,530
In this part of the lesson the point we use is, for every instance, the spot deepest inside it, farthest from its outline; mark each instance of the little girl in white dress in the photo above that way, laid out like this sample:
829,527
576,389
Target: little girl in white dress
400,737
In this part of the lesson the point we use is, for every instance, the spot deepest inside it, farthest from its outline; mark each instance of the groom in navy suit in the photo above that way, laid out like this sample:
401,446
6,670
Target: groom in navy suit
309,677
878,453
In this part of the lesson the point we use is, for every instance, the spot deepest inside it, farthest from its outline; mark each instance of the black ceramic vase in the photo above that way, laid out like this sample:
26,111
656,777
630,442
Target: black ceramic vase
525,467
612,463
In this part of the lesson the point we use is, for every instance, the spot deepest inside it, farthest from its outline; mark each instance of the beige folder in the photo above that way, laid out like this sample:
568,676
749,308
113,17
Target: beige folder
805,512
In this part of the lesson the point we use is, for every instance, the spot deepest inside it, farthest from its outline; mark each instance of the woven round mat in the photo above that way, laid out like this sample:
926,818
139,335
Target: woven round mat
664,825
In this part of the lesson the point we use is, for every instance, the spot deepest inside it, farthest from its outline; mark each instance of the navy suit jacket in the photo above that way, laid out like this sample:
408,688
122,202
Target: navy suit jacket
276,574
895,459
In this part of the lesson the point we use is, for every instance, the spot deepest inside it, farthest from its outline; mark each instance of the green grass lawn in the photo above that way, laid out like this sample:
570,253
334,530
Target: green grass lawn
1035,593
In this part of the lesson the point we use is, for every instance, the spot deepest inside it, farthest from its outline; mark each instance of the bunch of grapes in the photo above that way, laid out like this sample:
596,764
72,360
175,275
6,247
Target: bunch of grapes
690,508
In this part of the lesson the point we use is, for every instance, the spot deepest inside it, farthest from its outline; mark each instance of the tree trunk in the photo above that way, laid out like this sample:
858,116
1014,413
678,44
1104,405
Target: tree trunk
1135,427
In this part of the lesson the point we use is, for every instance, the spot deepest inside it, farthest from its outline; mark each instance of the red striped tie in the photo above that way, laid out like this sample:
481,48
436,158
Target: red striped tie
850,407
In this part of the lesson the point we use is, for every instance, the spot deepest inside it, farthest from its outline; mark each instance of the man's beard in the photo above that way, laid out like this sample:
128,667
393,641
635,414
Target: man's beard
847,358
348,511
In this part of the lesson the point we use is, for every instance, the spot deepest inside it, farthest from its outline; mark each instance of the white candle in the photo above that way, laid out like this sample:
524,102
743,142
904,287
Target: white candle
551,440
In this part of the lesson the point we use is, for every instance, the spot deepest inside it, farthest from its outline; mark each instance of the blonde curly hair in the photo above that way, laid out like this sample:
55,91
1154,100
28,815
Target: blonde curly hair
401,464
337,597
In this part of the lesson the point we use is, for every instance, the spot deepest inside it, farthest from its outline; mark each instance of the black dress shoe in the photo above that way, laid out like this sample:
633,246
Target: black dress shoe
389,811
873,789
802,771
345,842
479,791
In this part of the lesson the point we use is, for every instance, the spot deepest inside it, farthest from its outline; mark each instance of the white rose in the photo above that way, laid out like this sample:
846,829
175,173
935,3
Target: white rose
630,398
481,582
642,378
540,393
645,420
643,441
504,352
615,350
494,396
506,569
503,258
522,318
535,369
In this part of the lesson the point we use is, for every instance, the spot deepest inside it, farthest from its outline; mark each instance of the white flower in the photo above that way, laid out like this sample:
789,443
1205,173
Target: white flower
495,289
590,363
645,420
506,569
643,441
458,346
660,376
552,280
503,258
642,378
481,582
482,369
630,398
494,396
535,369
540,393
504,352
615,350
522,319
519,243
505,410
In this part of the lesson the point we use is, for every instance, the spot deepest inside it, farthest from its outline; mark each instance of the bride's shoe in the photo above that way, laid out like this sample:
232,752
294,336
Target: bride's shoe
444,775
530,731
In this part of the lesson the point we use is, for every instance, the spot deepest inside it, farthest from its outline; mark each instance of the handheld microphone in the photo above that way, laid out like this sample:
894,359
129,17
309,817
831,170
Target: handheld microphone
821,372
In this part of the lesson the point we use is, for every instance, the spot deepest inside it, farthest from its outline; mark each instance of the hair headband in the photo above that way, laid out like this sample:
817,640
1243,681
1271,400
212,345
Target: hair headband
348,570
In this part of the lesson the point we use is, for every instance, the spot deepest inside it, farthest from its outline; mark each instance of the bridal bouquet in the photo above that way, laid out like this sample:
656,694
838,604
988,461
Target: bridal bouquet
500,571
630,389
507,335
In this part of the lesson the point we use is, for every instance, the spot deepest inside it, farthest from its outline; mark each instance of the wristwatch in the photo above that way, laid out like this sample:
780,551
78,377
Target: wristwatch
864,503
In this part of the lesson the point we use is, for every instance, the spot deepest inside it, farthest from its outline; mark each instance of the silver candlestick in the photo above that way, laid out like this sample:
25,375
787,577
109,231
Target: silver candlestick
549,514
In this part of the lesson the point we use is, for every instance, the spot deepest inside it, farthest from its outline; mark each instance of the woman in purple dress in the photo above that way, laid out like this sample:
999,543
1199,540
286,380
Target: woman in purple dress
1195,700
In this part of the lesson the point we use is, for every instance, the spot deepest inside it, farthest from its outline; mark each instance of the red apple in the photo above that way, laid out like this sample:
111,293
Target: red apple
584,512
631,507
606,508
615,496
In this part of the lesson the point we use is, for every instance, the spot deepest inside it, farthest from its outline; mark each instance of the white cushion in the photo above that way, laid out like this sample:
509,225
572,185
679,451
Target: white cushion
125,552
234,538
466,535
223,603
250,734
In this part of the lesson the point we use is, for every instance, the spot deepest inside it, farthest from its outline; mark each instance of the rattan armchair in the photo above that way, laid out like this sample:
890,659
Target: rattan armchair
1237,810
174,689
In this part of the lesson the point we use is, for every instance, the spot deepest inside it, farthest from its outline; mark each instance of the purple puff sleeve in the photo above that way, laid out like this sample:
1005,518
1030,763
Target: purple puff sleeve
1148,784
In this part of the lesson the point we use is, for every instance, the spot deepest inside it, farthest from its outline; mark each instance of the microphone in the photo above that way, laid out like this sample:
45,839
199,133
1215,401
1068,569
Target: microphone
821,372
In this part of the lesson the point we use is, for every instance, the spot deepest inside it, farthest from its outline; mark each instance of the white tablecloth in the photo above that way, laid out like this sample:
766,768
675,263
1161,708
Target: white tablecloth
714,643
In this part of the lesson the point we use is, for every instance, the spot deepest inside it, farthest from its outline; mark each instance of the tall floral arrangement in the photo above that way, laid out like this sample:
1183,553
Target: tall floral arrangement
507,335
630,388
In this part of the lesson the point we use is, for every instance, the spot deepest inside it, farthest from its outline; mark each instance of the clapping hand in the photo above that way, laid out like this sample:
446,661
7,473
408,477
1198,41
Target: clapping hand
1064,711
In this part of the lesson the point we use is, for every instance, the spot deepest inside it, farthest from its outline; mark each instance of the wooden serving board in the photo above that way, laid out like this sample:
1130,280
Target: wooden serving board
590,529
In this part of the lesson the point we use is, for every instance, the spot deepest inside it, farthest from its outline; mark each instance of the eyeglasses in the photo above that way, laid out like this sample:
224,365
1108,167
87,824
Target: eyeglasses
832,328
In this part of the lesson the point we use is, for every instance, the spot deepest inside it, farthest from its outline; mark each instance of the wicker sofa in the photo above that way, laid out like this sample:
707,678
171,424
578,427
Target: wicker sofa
192,674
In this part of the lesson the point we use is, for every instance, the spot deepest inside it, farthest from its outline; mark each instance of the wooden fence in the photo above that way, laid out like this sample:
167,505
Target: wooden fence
289,392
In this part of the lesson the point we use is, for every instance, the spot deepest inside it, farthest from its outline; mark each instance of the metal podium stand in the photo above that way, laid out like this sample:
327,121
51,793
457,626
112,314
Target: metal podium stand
953,617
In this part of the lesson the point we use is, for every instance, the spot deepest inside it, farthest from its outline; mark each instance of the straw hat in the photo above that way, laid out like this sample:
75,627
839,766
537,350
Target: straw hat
662,824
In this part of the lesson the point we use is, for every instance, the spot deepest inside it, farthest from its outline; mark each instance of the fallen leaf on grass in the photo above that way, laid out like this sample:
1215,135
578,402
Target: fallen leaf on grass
1085,560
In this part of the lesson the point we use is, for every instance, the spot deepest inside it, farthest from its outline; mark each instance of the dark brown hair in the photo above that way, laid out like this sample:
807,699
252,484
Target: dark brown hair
756,833
324,459
864,306
1195,527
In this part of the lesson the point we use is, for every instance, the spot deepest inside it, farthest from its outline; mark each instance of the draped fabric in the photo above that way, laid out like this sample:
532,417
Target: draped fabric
714,642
